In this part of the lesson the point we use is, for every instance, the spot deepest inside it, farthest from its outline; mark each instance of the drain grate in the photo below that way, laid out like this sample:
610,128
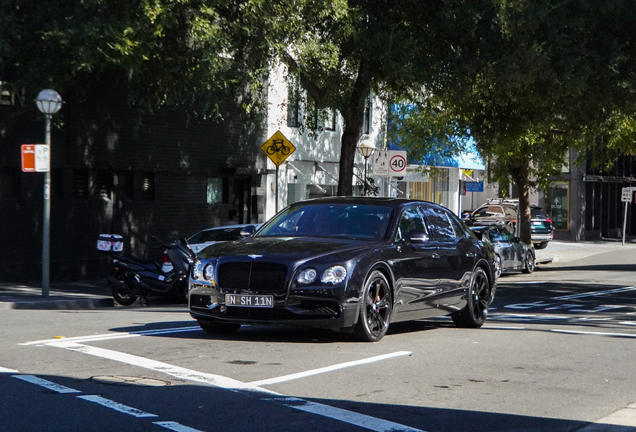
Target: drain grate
130,380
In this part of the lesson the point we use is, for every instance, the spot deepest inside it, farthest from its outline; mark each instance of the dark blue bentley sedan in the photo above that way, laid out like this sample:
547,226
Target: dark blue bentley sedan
349,263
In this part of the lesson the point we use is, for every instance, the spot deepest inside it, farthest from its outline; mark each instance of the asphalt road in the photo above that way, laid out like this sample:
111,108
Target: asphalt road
555,355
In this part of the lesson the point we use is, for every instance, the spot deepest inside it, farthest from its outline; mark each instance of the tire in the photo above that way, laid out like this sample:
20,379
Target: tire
528,266
218,327
123,297
498,268
376,306
475,312
541,245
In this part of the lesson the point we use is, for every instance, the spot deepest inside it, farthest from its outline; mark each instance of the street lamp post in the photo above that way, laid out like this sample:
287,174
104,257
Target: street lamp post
49,102
366,149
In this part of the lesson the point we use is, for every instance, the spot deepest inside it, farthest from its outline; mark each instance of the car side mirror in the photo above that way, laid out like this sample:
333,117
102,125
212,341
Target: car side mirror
248,231
416,236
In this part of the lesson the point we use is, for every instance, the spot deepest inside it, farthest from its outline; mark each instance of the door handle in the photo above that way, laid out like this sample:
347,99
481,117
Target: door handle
471,254
435,255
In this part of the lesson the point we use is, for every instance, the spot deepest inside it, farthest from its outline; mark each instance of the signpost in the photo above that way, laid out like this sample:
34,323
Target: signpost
277,148
626,196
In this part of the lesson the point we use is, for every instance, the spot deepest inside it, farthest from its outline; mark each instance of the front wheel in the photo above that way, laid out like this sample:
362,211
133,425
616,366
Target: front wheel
123,296
376,306
529,264
476,310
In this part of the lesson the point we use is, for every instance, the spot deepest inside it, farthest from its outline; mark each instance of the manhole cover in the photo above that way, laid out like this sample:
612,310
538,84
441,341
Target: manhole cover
130,380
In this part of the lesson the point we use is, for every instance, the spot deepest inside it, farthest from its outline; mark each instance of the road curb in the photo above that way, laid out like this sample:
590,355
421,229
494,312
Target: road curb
66,304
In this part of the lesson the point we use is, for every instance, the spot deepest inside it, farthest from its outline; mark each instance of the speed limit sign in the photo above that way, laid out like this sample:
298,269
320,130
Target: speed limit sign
397,163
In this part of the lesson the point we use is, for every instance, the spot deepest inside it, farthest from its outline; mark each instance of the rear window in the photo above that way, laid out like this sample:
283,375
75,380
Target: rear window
227,234
537,213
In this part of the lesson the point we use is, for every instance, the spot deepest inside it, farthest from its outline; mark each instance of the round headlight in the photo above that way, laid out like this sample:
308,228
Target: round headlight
208,272
334,275
307,276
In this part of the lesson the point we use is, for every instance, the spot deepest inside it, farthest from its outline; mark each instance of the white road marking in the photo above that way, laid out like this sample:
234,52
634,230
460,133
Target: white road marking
371,423
46,384
6,370
175,371
117,406
345,416
174,426
625,335
595,293
328,369
109,336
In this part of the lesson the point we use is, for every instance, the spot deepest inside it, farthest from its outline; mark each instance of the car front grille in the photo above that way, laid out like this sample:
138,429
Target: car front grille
257,277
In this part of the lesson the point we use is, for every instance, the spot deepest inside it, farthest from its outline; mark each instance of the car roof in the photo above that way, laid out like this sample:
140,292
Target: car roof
386,201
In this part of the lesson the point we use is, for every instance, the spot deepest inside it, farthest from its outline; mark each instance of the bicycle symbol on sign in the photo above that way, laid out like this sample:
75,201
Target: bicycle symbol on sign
278,145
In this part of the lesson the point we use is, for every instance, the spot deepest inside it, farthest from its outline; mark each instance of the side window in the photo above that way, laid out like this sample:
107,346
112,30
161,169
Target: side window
438,223
410,220
511,212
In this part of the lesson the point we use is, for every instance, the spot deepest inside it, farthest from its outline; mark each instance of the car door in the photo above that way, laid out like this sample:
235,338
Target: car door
414,266
456,251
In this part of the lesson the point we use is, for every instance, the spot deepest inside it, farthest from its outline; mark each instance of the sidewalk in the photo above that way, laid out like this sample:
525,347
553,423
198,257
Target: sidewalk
70,295
95,294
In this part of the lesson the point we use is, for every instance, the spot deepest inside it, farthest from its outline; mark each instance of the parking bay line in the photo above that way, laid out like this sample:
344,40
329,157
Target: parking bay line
357,419
328,369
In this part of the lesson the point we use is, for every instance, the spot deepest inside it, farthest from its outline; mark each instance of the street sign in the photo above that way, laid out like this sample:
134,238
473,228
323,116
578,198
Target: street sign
397,163
626,195
278,148
474,186
35,158
380,165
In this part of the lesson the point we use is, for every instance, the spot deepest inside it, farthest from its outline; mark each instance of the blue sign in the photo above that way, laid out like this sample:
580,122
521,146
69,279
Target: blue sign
475,186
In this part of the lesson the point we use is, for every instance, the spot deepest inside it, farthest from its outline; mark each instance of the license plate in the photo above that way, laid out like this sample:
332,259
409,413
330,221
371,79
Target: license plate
537,223
244,300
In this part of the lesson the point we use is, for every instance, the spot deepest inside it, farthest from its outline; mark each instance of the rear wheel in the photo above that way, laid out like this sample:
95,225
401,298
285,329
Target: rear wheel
476,310
529,264
376,307
218,327
123,296
541,245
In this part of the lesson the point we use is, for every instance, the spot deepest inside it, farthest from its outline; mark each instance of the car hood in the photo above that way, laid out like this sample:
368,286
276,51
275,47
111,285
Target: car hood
296,248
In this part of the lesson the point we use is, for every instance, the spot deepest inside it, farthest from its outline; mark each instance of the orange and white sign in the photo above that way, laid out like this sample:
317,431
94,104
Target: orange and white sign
35,158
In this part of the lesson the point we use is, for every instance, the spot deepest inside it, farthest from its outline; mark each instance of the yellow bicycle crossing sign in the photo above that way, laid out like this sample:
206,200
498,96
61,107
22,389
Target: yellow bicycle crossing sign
278,148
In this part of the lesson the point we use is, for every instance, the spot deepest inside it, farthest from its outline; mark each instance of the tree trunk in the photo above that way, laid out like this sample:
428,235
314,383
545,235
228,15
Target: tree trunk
352,115
522,174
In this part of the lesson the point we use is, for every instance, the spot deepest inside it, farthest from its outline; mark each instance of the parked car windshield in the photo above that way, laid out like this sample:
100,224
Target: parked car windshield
216,235
330,220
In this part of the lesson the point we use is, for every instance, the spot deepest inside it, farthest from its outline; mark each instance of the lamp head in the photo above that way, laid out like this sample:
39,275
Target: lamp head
366,148
49,101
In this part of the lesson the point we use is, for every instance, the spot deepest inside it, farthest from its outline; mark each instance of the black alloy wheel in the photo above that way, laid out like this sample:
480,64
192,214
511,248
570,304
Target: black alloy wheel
218,327
529,262
376,307
123,296
475,312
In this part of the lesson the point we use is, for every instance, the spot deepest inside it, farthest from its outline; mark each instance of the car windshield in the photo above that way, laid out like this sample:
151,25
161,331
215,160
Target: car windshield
330,220
215,235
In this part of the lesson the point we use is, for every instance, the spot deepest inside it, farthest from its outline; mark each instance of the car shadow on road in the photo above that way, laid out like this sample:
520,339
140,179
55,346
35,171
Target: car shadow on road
596,267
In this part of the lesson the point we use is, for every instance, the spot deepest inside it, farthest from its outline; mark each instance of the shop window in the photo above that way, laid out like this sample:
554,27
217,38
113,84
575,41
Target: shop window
557,205
79,183
103,184
126,185
329,119
148,186
215,190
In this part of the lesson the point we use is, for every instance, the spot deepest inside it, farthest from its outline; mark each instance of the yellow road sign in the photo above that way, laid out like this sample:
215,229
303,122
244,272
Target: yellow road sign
278,148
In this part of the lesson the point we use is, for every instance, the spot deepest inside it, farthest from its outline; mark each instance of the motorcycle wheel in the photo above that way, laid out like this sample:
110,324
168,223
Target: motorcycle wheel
123,298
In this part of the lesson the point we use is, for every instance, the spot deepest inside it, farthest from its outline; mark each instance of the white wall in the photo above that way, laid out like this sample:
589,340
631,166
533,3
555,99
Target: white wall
311,154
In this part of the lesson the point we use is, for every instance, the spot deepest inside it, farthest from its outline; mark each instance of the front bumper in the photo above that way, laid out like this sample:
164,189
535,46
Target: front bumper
303,310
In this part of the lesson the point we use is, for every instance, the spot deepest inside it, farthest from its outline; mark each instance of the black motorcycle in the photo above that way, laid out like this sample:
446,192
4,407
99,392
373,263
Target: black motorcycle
131,278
